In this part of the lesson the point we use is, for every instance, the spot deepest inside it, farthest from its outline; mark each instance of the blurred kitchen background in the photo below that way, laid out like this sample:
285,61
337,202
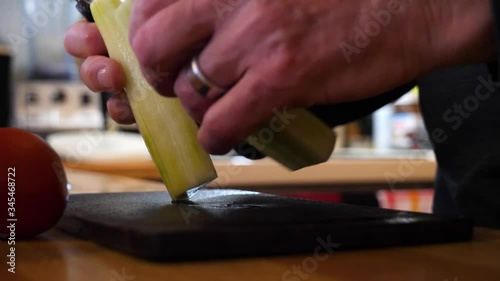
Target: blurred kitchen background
382,160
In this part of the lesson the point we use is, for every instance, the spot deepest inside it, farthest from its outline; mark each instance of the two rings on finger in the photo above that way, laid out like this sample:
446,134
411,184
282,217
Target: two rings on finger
200,83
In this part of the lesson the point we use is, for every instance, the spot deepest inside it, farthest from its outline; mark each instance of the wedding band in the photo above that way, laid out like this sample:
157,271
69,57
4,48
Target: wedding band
200,83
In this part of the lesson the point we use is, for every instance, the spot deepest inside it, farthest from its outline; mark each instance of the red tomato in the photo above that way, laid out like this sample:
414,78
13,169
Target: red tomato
33,185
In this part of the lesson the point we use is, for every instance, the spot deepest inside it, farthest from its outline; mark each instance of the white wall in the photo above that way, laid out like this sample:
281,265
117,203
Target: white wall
38,25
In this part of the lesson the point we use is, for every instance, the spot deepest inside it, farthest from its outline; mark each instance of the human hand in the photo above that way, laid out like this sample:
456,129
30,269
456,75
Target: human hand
296,53
99,72
296,58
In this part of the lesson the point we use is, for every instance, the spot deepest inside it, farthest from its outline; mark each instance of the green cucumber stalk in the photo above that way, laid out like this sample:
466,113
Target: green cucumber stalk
168,131
295,138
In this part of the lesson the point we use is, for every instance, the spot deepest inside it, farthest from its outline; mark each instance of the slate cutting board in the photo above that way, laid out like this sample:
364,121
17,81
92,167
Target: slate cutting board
232,223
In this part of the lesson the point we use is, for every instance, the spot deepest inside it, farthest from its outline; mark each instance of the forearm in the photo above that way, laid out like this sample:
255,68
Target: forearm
462,31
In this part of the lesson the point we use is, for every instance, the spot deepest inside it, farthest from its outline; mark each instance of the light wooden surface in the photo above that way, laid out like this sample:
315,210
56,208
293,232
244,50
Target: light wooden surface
55,256
267,172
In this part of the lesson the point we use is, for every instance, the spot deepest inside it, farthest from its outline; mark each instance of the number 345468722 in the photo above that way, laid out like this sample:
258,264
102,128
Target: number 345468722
11,179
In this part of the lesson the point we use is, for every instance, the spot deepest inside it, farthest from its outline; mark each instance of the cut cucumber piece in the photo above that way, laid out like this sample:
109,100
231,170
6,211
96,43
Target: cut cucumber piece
168,131
295,138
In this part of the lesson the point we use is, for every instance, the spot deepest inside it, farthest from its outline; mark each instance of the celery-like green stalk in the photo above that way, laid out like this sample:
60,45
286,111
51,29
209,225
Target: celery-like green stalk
169,133
295,138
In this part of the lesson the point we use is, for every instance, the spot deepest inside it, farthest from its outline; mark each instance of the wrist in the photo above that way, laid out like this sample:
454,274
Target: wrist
459,31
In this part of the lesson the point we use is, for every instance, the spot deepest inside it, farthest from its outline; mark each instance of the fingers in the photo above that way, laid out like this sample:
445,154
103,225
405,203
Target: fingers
163,81
223,62
195,104
102,74
239,113
119,109
170,31
165,39
145,9
83,40
228,55
99,73
222,71
168,39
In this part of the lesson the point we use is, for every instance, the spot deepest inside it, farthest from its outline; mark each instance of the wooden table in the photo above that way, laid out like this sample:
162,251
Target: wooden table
265,173
56,256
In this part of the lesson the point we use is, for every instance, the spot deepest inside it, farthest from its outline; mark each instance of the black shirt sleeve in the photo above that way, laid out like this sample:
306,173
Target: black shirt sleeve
494,66
342,113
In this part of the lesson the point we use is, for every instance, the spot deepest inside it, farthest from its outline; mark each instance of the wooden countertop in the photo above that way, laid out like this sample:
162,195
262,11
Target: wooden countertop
238,172
56,256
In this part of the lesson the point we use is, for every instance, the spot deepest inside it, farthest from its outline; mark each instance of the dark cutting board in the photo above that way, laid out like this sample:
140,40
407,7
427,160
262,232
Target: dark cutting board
231,223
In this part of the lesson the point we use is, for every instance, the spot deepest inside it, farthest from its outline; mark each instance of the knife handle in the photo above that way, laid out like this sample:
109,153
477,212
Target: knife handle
83,6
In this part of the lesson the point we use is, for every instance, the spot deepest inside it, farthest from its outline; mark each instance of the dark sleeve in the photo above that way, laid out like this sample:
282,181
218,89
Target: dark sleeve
494,66
342,113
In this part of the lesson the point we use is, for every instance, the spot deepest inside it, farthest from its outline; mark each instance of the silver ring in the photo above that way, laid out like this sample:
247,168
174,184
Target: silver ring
200,83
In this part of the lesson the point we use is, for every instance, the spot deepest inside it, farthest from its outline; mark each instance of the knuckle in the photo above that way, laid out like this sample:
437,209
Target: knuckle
277,15
267,15
286,59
